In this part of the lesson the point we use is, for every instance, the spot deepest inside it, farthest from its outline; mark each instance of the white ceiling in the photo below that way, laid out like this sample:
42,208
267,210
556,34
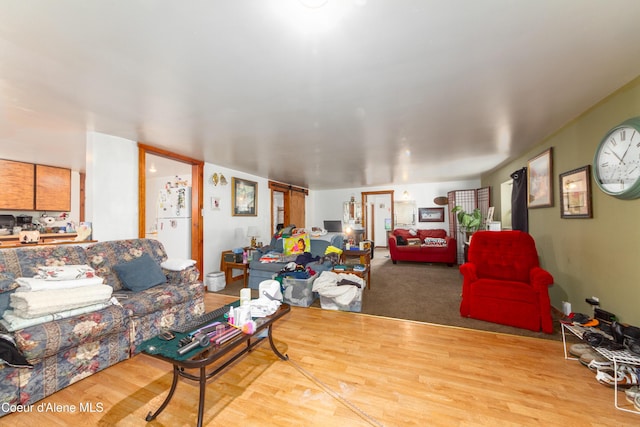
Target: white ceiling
383,92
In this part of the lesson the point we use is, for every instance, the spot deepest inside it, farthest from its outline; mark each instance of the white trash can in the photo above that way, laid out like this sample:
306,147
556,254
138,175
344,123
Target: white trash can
215,281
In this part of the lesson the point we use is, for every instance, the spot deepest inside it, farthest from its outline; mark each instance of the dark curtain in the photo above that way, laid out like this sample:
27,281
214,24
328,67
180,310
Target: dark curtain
519,211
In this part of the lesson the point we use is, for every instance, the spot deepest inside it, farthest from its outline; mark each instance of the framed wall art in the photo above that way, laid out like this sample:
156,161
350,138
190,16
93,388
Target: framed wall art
575,193
244,197
431,214
539,181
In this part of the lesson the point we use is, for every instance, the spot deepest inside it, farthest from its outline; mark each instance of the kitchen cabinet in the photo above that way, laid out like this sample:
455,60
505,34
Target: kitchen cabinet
28,187
17,189
53,188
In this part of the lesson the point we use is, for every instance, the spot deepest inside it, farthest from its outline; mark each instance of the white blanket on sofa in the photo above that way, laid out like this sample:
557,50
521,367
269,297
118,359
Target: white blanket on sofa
40,303
33,284
13,323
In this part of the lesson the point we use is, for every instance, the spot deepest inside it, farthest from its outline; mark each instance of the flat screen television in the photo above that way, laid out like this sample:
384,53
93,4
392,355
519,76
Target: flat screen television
333,226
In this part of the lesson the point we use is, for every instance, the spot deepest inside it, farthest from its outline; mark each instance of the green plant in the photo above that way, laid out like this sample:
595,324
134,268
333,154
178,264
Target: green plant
468,222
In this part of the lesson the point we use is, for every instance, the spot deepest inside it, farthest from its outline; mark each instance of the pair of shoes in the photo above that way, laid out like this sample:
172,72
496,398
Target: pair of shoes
624,377
579,349
591,356
600,364
631,393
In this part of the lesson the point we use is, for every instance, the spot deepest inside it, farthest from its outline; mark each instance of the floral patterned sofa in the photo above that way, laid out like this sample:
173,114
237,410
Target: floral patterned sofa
67,350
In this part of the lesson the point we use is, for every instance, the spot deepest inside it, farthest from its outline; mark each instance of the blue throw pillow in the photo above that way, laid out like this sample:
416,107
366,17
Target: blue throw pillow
140,274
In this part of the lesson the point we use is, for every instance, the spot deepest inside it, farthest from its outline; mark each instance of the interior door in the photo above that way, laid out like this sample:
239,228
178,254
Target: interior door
379,208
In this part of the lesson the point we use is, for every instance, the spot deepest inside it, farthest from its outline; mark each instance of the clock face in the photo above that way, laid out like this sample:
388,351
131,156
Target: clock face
617,162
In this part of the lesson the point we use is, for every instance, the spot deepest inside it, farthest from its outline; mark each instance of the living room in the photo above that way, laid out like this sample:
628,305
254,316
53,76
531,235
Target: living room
397,373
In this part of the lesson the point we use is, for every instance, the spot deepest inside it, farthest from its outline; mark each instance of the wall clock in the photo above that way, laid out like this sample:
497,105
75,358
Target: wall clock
616,164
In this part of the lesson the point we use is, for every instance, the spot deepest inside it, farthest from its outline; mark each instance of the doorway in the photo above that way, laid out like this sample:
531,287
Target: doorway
196,168
378,211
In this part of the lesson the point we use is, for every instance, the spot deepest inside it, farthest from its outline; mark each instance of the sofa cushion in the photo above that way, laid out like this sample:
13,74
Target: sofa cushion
437,233
140,273
46,339
404,233
102,256
25,261
158,298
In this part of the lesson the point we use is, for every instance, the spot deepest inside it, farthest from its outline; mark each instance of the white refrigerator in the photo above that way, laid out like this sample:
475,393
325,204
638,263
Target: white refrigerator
174,221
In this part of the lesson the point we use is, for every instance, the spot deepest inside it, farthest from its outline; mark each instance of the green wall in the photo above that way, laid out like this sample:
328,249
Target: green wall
587,257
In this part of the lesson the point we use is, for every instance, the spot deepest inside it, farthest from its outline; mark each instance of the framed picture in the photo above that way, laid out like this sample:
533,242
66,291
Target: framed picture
539,181
575,193
244,197
431,214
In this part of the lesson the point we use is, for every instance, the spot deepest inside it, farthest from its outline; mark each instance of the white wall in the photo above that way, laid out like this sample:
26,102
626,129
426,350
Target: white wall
112,187
222,231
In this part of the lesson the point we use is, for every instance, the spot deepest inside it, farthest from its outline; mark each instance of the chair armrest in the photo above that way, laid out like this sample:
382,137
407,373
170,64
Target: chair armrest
469,275
469,272
540,278
188,275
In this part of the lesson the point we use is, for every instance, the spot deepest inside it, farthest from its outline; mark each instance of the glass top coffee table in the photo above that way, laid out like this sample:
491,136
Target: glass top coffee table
202,357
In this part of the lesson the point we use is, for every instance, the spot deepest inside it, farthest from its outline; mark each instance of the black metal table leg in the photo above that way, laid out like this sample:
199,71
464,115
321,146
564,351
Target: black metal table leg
273,347
203,387
174,383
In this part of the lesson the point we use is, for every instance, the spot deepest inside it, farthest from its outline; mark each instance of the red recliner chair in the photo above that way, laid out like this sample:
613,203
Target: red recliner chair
503,282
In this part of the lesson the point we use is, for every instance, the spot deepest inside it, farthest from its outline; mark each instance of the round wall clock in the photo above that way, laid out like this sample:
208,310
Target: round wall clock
616,164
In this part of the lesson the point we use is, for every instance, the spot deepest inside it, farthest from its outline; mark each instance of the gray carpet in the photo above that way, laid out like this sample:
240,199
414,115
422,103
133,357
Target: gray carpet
417,291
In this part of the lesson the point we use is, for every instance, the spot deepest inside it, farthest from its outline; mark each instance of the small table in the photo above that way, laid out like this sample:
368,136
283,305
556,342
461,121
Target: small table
201,357
228,267
364,256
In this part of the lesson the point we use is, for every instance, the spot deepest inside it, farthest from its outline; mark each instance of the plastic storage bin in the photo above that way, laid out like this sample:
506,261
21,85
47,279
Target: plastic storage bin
328,303
299,292
215,281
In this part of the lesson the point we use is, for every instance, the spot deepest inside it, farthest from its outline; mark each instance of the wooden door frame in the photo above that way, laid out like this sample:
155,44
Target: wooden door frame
363,201
197,195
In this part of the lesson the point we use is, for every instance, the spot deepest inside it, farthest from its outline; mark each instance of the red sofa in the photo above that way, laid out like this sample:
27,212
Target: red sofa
503,282
434,246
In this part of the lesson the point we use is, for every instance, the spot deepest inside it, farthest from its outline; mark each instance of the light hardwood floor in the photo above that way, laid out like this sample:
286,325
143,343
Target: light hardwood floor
349,369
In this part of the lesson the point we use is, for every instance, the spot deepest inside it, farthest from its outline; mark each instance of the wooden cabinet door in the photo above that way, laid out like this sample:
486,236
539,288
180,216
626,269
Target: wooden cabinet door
16,185
53,189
